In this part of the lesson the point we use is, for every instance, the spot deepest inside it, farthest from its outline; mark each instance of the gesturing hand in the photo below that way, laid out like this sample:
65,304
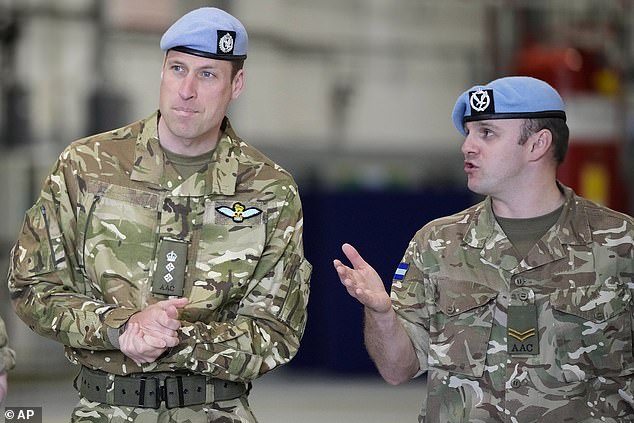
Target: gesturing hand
362,281
152,331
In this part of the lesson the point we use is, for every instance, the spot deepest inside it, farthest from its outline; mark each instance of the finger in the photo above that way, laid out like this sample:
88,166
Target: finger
171,323
140,350
161,340
176,302
154,342
150,354
354,256
343,272
131,332
171,312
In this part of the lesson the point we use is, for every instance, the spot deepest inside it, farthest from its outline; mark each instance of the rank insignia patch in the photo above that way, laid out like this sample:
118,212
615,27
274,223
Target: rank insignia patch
238,212
523,335
171,262
401,270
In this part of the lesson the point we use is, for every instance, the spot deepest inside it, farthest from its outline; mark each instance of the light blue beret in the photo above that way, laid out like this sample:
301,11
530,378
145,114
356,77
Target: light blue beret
207,32
512,97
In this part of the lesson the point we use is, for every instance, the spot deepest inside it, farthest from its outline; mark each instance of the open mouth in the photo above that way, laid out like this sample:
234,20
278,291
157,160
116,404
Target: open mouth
468,166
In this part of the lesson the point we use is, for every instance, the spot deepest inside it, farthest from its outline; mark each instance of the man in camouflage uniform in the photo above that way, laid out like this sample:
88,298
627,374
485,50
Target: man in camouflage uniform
519,309
7,360
167,255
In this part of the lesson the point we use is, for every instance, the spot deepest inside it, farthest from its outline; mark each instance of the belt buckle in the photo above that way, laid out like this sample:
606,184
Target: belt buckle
149,389
181,391
143,392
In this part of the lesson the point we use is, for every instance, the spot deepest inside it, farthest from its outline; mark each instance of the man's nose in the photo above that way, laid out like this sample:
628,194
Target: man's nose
187,88
468,146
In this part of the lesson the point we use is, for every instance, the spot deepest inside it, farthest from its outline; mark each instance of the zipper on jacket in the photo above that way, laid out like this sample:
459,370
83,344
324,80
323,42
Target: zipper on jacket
48,234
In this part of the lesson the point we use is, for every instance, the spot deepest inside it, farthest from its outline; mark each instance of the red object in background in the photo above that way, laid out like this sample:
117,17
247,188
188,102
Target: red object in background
565,68
592,164
593,171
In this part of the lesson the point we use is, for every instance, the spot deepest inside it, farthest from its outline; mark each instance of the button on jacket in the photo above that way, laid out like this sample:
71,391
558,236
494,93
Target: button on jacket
577,281
86,257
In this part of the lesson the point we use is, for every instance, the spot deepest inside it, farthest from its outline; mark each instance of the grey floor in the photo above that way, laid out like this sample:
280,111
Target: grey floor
277,397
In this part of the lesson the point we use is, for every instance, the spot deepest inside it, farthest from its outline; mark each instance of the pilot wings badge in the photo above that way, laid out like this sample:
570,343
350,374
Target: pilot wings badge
238,212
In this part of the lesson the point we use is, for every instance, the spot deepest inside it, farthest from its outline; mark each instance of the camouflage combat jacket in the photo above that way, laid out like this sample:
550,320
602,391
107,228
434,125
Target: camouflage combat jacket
7,356
458,292
86,257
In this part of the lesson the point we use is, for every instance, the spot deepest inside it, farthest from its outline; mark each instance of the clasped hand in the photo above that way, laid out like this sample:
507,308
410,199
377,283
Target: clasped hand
150,332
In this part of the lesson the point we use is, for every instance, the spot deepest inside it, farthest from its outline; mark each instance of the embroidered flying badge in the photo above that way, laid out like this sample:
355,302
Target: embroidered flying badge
238,212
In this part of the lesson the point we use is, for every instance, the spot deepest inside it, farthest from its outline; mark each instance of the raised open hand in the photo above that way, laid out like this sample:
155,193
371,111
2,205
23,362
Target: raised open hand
362,281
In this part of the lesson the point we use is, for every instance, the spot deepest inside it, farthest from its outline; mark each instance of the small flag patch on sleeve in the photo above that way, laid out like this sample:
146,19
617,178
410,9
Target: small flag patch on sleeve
401,270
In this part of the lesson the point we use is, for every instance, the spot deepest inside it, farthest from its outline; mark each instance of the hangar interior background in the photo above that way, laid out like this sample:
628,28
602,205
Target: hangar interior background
353,98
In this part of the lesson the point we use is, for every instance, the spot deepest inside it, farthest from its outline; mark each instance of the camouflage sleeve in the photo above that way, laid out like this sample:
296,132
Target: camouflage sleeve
46,286
7,356
410,301
271,318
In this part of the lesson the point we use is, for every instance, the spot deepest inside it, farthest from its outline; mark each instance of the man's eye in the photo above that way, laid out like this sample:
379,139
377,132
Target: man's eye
206,74
177,68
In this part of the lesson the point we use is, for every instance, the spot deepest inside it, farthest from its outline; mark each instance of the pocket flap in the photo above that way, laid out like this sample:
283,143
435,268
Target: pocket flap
594,303
458,296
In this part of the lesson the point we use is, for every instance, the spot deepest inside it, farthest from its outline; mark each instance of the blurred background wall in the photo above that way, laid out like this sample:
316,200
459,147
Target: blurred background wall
353,97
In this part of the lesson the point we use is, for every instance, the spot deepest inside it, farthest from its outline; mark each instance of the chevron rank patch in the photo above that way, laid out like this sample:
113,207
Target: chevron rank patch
523,333
401,270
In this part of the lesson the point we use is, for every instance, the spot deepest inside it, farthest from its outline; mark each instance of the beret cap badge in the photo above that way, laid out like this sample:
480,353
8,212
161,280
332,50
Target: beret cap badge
480,100
226,41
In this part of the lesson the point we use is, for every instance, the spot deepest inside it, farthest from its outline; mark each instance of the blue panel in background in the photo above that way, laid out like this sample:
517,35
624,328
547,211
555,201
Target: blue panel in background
380,225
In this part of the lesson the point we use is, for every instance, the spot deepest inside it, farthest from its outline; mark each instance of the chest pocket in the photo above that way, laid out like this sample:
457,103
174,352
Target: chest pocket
593,331
461,327
116,239
231,244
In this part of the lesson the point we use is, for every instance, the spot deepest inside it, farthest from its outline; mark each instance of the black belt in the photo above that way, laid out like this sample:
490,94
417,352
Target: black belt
149,390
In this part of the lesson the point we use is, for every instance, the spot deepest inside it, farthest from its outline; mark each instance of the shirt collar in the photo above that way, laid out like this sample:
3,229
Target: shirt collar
572,228
219,178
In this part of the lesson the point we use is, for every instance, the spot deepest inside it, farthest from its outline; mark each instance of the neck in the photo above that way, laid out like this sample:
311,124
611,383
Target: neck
524,204
186,146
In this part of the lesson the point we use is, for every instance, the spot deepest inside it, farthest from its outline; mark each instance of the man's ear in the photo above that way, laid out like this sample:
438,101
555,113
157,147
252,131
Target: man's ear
540,143
237,84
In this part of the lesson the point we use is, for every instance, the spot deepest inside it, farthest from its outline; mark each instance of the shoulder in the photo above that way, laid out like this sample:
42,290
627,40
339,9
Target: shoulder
118,139
453,225
600,217
257,169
